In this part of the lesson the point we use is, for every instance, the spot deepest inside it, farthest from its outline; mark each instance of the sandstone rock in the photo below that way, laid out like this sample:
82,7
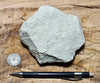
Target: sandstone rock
51,35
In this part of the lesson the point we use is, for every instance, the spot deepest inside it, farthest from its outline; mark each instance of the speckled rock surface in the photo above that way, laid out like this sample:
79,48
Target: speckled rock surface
51,35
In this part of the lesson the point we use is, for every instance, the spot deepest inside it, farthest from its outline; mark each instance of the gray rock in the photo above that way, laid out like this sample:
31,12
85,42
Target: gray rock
51,35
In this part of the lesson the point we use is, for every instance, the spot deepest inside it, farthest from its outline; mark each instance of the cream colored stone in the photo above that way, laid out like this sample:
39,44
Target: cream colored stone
51,35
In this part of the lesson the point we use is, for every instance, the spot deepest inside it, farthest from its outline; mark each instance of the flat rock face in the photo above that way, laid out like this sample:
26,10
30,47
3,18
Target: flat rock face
51,35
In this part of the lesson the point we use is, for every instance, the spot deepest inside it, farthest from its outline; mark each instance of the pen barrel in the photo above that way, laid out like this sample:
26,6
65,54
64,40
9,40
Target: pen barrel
48,74
55,74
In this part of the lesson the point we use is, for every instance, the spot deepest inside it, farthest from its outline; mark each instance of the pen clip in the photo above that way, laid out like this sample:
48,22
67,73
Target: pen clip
73,79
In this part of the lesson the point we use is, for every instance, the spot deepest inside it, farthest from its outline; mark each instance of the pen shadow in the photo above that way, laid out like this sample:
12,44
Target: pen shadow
56,63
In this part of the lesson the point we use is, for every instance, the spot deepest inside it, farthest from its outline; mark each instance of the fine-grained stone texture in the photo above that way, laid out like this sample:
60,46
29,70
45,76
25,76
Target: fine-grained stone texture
51,35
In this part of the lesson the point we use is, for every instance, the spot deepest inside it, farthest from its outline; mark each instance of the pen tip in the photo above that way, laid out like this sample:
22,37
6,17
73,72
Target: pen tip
13,74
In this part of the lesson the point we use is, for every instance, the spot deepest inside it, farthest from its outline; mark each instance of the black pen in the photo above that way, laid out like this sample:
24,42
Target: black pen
53,74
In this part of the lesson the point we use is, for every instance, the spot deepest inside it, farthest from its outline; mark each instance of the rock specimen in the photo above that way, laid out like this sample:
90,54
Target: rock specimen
51,35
